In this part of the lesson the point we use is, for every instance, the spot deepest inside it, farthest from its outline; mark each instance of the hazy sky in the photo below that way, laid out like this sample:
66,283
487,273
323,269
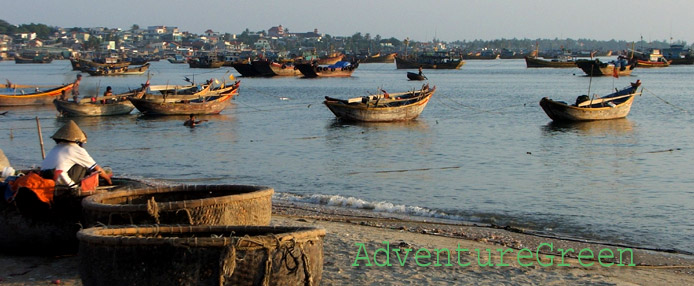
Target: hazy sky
420,20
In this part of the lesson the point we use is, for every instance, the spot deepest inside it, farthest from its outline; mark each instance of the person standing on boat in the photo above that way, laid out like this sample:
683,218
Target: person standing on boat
76,88
68,162
420,70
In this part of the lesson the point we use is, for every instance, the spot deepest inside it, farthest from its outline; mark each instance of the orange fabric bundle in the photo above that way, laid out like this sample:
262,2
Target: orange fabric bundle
43,188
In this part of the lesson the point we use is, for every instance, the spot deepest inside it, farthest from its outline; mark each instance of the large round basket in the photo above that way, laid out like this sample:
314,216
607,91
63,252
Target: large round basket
201,255
26,231
186,204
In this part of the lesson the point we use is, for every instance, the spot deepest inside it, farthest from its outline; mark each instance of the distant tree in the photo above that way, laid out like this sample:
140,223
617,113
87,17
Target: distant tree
134,27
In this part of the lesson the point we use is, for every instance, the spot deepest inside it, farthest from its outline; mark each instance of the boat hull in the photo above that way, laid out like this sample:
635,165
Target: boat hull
402,63
127,70
540,63
71,108
597,68
365,113
40,98
311,71
389,58
559,111
245,69
53,234
415,76
182,107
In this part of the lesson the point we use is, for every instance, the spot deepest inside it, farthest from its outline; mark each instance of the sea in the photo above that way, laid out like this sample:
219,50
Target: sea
483,151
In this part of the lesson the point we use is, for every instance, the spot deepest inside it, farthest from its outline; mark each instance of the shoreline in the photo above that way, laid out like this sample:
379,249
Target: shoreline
351,234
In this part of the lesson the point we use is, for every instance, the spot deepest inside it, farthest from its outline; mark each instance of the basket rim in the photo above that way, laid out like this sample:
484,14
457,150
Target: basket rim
277,235
94,202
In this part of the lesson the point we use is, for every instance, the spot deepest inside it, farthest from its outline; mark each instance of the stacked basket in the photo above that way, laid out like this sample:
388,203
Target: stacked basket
194,235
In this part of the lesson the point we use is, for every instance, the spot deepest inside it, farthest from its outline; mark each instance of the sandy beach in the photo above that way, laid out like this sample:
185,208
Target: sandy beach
353,238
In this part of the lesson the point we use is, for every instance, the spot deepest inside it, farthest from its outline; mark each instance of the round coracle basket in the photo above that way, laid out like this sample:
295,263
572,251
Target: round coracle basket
186,204
32,228
201,255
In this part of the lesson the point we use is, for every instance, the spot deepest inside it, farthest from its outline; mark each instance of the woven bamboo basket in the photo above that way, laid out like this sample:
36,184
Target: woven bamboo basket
186,204
50,232
201,255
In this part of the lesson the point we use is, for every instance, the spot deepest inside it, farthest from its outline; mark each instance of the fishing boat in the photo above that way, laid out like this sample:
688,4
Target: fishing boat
437,60
245,68
205,62
563,62
126,70
273,68
206,103
177,59
653,60
97,106
330,59
39,59
26,231
20,95
84,65
415,76
339,69
598,68
381,107
378,58
612,106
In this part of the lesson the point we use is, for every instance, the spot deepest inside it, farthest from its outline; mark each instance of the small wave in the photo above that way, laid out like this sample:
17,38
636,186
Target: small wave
356,203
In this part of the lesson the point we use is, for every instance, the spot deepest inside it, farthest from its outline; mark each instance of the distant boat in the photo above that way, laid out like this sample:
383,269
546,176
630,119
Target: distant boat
84,65
99,106
612,106
245,68
381,107
653,60
15,95
126,70
378,58
339,69
437,60
534,62
599,68
40,59
207,62
177,59
678,55
415,76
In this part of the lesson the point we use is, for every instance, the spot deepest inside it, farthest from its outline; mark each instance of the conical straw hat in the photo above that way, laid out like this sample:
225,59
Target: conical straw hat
70,132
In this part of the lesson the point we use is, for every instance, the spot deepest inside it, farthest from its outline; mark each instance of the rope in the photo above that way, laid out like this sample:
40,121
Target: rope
665,101
227,264
153,209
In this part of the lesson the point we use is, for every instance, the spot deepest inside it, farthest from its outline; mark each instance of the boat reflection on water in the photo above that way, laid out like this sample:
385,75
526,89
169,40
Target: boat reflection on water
620,126
412,125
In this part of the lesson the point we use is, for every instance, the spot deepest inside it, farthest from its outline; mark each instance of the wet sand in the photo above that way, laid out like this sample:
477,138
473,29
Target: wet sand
352,236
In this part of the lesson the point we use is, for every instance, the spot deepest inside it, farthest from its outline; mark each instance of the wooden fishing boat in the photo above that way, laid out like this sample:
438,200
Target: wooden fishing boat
201,255
52,232
16,96
84,65
378,58
339,69
186,204
177,59
40,59
415,76
330,59
381,107
205,62
99,106
533,62
438,60
245,68
611,106
653,64
272,68
206,103
598,68
127,70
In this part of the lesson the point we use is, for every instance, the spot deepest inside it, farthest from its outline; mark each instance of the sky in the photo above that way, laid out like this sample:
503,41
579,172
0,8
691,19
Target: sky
421,20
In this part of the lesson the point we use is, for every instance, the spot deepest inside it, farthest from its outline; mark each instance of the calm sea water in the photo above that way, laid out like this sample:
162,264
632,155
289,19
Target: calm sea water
483,150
